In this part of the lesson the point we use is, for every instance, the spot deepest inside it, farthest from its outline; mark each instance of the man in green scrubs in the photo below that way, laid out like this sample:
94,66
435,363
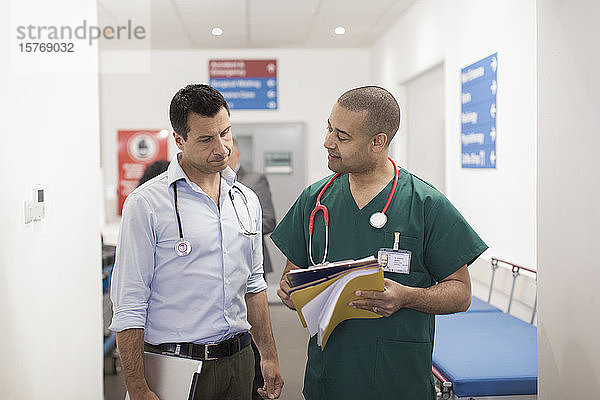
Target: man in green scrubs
390,357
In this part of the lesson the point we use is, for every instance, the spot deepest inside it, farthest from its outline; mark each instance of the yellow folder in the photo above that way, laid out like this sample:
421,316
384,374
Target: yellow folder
341,310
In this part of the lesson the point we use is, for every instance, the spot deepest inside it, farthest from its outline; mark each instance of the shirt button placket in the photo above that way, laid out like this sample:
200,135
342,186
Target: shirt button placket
224,249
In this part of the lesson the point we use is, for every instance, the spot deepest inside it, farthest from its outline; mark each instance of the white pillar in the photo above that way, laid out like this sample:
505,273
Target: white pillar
50,270
568,198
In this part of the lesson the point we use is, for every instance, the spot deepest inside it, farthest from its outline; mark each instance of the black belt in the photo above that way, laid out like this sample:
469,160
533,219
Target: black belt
222,349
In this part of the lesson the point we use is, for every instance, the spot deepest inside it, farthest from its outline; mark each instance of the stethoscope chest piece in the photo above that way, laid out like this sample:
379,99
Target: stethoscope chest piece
183,248
378,220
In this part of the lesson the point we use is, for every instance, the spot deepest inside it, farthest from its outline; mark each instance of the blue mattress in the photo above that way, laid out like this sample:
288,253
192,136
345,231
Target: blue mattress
486,354
110,342
478,305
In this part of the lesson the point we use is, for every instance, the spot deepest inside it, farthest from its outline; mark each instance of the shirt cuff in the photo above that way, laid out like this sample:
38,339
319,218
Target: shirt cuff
128,318
256,283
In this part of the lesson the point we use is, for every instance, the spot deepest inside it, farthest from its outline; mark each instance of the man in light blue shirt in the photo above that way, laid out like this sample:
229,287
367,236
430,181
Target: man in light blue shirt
188,273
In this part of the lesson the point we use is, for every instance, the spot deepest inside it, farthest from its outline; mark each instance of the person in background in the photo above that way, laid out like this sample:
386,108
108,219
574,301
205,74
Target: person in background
388,357
260,185
153,170
188,277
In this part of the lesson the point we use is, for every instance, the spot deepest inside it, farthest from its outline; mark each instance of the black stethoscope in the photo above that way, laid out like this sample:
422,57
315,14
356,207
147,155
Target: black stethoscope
184,247
377,219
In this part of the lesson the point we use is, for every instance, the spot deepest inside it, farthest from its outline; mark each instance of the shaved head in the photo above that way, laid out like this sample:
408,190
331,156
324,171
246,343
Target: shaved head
383,111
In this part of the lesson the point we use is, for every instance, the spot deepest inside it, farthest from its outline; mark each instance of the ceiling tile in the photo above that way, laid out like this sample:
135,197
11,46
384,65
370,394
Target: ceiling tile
257,23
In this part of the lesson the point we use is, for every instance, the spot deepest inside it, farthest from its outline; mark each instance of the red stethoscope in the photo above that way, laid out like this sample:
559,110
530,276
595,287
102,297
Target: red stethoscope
377,219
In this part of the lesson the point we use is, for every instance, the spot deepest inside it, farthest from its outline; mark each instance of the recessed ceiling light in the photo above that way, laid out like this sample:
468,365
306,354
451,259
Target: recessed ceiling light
217,31
340,30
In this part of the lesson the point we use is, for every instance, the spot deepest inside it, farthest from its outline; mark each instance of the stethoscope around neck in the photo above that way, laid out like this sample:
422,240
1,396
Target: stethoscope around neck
184,247
377,219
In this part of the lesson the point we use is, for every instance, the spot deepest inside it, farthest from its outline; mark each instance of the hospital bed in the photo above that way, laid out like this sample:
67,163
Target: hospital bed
485,353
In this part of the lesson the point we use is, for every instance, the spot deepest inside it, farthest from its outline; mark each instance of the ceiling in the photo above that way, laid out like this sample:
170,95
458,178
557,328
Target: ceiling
176,24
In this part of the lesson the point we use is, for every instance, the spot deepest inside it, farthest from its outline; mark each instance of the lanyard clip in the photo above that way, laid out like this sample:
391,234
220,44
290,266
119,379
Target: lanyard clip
396,240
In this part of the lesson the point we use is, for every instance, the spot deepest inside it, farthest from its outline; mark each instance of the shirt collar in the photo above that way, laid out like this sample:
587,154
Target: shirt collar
175,172
229,175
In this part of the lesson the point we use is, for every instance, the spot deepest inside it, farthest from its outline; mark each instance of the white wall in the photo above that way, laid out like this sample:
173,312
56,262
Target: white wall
50,279
309,83
500,203
568,198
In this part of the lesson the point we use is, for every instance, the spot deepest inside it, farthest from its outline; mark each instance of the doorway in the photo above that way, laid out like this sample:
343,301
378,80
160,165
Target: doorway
425,123
276,150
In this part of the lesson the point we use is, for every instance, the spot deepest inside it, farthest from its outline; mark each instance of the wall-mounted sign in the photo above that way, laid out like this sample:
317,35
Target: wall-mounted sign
245,84
278,162
479,85
138,149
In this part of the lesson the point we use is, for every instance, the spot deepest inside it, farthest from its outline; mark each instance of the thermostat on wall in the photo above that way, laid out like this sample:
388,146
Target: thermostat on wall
34,209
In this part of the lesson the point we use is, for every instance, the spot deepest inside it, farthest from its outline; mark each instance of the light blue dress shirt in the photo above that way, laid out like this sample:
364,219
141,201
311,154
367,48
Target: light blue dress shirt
200,297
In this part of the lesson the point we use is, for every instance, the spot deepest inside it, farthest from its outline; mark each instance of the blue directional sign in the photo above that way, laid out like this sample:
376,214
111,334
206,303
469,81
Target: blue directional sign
246,84
479,87
248,93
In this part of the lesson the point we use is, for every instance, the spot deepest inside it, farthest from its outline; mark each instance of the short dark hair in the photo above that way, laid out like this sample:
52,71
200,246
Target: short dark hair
383,111
153,170
199,99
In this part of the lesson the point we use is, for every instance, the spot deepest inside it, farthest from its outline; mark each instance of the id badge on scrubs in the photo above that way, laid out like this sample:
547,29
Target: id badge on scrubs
395,260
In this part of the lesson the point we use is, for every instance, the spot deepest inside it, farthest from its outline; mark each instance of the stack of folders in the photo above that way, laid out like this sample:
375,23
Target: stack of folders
321,294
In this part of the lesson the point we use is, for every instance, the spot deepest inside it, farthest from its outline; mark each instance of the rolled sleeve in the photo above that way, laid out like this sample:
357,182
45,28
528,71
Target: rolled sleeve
134,265
256,282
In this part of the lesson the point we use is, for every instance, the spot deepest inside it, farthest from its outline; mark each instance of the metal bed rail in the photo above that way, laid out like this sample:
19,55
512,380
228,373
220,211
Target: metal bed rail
445,389
515,273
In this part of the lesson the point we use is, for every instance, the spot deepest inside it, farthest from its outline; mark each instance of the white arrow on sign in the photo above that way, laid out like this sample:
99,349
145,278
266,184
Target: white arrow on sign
493,157
494,64
493,110
493,87
270,94
493,134
271,82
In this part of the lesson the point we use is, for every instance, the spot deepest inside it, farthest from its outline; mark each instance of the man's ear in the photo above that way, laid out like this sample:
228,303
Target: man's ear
379,142
178,140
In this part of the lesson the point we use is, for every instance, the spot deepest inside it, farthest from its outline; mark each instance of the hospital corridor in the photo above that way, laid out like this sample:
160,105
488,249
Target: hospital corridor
300,200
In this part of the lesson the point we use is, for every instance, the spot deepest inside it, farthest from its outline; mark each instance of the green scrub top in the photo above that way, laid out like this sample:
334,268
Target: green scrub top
385,358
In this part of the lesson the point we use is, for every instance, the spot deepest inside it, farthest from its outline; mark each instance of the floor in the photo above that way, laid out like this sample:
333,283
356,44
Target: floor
291,340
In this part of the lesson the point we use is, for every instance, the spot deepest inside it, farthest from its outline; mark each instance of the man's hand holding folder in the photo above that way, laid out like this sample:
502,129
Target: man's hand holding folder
284,286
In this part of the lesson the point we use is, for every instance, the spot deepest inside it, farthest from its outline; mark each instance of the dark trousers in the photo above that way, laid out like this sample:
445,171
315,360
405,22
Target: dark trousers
227,378
258,378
